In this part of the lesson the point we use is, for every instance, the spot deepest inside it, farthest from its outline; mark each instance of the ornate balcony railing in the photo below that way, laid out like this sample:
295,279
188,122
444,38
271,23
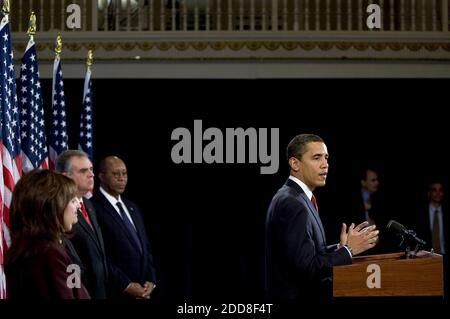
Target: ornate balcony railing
234,15
137,38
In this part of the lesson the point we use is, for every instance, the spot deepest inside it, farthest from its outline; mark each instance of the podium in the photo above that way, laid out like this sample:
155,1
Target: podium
390,275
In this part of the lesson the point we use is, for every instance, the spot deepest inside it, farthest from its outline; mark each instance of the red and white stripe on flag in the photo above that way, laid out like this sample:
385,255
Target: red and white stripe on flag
11,161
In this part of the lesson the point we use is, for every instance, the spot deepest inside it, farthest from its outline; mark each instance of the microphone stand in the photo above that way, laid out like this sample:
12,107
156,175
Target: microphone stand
409,254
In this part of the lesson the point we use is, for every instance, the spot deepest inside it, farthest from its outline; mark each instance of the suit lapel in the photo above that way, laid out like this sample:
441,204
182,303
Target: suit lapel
136,221
314,215
312,211
88,229
93,231
115,216
446,229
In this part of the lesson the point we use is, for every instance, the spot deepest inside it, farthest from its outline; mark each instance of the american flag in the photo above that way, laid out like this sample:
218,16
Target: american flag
32,128
58,138
9,124
85,143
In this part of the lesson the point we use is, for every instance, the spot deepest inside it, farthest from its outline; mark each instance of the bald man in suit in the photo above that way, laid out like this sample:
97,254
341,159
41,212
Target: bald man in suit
122,224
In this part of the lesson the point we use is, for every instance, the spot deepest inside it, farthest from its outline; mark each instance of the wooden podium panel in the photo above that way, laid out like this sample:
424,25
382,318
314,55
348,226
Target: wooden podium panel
390,275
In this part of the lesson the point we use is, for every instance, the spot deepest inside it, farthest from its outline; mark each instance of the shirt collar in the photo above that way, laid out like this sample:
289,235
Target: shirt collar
365,195
110,198
433,209
305,188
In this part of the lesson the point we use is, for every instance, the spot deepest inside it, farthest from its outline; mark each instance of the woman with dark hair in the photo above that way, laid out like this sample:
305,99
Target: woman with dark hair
43,209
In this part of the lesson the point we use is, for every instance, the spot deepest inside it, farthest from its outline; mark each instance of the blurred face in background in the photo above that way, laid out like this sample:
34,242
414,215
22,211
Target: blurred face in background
371,183
436,193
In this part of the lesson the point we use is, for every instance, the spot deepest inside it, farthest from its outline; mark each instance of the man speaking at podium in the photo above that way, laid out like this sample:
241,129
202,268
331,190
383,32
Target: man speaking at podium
298,263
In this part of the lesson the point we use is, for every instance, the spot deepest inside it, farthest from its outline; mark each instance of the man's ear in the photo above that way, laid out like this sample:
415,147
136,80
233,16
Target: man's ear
294,164
100,176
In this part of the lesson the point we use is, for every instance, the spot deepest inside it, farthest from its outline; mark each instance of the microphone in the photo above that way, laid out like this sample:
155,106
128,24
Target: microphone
405,233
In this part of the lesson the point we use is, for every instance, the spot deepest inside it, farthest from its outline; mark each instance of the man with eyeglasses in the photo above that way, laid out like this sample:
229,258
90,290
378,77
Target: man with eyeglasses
122,224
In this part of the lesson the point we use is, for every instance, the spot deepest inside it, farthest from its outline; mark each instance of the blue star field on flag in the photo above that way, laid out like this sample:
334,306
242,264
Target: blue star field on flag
8,98
32,125
85,143
58,138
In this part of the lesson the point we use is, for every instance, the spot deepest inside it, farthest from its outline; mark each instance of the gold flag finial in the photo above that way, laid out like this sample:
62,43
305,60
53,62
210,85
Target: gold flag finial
5,7
32,25
90,59
58,48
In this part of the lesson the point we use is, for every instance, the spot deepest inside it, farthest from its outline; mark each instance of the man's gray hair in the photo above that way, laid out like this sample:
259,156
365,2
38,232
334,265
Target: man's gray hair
63,164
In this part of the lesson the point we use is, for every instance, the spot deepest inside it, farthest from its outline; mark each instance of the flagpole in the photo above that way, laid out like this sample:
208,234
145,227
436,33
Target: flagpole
27,165
86,137
89,60
5,7
5,11
32,26
33,142
58,47
58,50
58,139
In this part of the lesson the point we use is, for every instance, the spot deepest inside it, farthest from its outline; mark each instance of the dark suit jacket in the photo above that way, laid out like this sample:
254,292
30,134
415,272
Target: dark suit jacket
423,228
88,243
42,276
120,247
73,255
298,265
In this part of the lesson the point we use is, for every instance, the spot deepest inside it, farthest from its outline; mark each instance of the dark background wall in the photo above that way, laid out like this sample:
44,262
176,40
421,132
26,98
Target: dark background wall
206,221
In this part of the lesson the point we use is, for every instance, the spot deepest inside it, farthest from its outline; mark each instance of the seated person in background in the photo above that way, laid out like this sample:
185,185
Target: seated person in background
43,208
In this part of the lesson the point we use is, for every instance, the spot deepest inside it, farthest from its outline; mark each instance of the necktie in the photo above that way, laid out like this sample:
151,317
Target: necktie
84,213
436,233
130,228
314,202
